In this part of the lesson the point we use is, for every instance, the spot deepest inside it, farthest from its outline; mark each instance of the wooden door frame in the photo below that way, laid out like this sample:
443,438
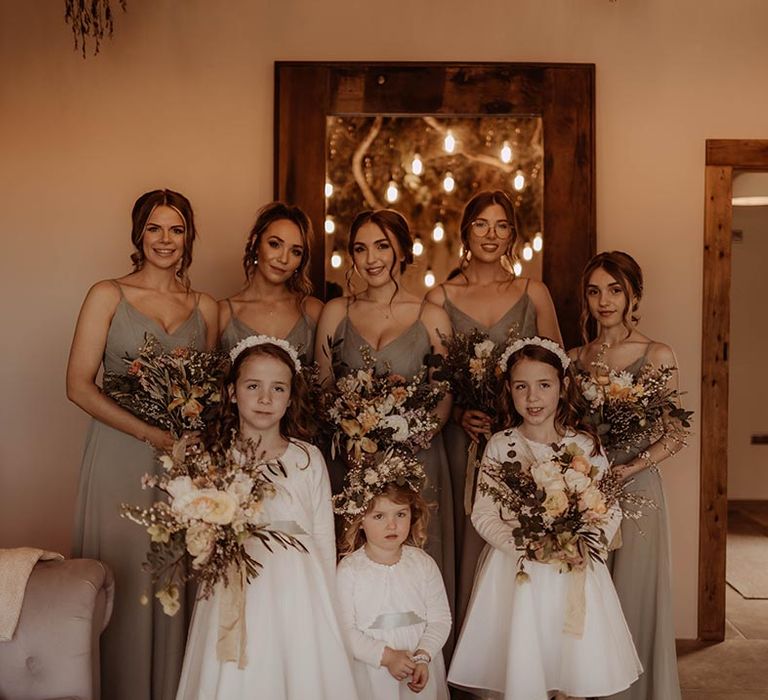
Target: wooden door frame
723,156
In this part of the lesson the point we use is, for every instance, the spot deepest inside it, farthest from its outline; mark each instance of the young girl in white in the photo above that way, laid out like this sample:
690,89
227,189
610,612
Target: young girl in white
393,601
294,645
519,640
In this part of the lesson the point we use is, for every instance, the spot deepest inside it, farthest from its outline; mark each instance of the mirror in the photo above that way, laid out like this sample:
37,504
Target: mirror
314,100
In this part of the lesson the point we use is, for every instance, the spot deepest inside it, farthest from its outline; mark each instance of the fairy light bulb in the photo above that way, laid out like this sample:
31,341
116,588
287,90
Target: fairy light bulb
449,142
519,182
506,153
461,251
448,182
418,247
336,260
527,252
538,242
517,268
417,166
328,189
429,278
392,193
438,232
330,225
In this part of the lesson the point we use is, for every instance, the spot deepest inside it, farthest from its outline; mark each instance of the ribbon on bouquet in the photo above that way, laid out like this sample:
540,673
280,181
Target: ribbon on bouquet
232,633
469,479
575,602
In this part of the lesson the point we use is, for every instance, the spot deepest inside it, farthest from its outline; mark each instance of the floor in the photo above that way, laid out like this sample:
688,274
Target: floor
737,668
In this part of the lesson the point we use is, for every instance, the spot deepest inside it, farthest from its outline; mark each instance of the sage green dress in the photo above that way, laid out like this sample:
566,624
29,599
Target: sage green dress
640,569
520,321
301,336
405,356
142,648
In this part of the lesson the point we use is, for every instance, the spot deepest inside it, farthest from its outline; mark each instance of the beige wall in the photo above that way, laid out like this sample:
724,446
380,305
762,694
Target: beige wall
748,381
182,97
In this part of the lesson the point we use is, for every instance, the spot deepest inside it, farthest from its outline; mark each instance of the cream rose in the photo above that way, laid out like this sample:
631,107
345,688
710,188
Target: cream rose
547,476
577,481
208,505
556,503
200,541
484,349
398,424
581,464
593,500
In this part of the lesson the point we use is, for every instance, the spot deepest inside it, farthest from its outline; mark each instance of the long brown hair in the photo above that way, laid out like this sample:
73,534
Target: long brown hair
353,536
142,210
298,283
474,207
571,408
297,421
628,275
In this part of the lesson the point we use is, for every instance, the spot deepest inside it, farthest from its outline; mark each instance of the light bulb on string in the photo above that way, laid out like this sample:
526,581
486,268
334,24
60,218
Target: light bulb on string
506,153
393,193
328,189
429,278
418,247
448,182
417,165
519,182
336,260
330,224
538,242
449,142
527,252
461,252
438,232
517,268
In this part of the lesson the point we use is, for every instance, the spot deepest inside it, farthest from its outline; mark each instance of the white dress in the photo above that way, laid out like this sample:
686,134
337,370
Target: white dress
402,606
295,646
512,644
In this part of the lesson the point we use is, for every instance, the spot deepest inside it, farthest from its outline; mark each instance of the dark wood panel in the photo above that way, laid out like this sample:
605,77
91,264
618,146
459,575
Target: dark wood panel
740,153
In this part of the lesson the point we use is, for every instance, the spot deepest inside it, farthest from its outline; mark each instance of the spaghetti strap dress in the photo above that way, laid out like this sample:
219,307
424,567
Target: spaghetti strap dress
301,336
520,320
142,648
640,569
405,355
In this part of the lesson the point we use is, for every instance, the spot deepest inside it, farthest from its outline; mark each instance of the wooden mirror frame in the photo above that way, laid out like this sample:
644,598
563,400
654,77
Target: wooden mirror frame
562,94
723,156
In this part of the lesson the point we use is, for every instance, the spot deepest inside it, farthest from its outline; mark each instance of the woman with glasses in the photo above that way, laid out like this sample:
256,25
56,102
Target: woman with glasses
485,295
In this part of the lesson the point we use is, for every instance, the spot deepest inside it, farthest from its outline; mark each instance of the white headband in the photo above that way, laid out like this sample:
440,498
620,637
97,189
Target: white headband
253,340
546,343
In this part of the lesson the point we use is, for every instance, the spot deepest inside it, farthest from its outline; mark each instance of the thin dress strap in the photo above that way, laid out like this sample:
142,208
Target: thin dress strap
527,282
119,288
421,308
231,308
647,348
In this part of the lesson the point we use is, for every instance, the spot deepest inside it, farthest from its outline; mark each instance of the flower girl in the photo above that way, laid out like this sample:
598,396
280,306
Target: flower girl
544,620
280,639
393,601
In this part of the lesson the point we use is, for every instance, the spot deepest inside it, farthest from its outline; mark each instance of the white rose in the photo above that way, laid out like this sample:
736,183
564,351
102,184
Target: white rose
547,476
200,541
208,505
484,349
241,487
179,486
592,500
398,424
576,481
590,392
556,503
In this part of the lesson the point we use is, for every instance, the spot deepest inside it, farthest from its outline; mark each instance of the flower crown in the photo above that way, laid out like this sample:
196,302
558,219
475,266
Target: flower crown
253,340
367,480
545,343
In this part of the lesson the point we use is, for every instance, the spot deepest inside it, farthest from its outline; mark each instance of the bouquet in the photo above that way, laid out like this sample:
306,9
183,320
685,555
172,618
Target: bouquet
368,411
176,391
560,506
631,412
214,502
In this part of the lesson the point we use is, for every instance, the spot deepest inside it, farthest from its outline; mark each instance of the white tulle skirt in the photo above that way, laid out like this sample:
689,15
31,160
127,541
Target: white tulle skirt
512,645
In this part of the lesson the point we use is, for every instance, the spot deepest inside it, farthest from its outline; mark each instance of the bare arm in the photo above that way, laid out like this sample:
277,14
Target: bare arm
546,316
437,322
331,316
210,311
224,314
85,358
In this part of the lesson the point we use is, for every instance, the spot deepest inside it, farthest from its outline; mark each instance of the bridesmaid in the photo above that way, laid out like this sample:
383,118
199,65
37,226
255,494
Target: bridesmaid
486,296
400,329
276,297
611,289
141,649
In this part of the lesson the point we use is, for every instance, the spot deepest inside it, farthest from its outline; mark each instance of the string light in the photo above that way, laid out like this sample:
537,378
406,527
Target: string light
527,252
328,189
330,224
517,268
448,182
449,142
519,182
506,153
336,260
538,242
438,232
429,278
393,193
418,247
461,251
417,166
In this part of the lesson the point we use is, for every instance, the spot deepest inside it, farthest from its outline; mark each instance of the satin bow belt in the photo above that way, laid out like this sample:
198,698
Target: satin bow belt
289,527
390,621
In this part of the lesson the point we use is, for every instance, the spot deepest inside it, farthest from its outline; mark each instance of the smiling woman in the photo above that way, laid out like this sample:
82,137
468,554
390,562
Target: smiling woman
142,649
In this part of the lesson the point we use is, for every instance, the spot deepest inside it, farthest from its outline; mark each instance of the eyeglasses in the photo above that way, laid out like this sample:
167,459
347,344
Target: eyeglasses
481,227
